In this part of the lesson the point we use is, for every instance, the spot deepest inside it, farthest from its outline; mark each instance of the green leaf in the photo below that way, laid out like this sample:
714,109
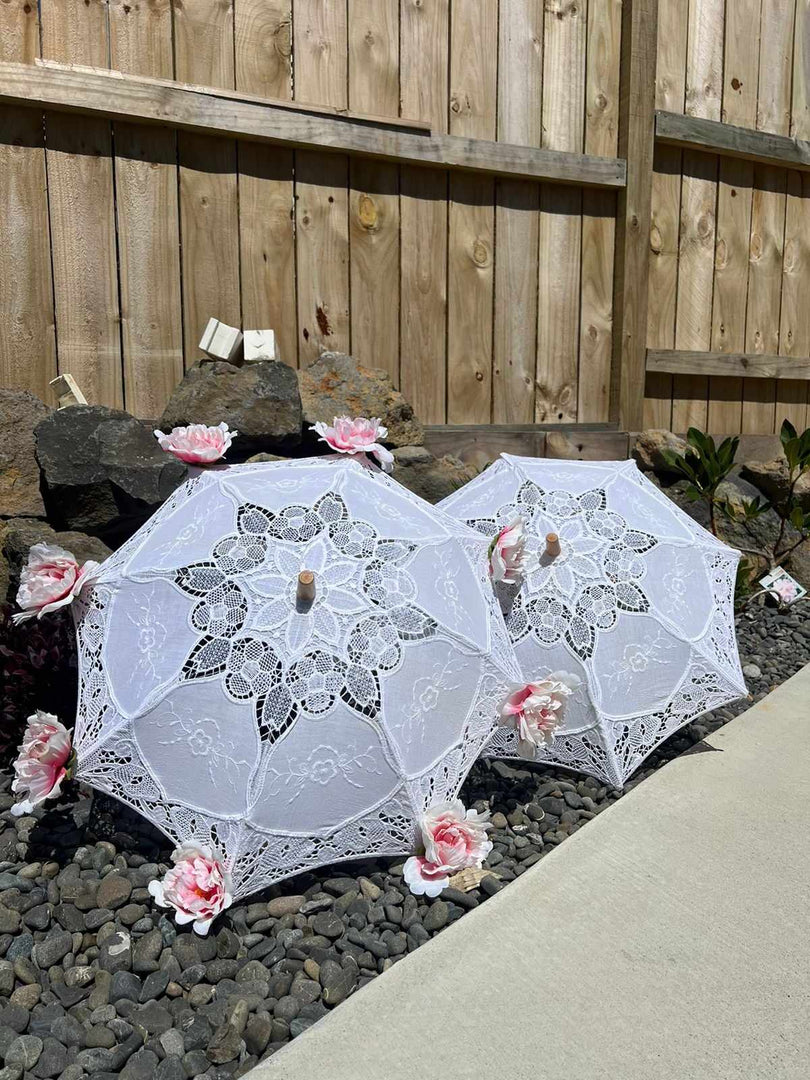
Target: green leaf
796,517
787,432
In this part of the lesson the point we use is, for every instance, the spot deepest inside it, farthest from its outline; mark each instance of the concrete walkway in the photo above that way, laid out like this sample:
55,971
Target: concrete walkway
667,940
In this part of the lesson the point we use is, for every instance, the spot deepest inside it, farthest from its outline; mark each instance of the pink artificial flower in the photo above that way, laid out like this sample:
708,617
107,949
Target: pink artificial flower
357,436
197,444
535,710
507,553
44,761
454,838
198,887
51,579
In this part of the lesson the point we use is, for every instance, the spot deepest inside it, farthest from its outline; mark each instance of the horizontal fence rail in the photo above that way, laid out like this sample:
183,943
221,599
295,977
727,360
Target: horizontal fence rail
750,365
110,94
695,133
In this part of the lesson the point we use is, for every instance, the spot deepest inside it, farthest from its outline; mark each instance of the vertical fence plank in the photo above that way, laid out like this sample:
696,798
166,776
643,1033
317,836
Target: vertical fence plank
663,278
794,332
599,212
147,218
564,47
374,195
27,346
693,320
266,190
734,190
263,30
704,88
320,48
520,83
800,105
209,201
424,59
670,90
471,241
82,213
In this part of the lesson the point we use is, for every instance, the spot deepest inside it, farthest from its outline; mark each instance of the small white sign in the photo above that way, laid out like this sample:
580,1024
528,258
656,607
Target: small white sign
786,587
260,345
220,341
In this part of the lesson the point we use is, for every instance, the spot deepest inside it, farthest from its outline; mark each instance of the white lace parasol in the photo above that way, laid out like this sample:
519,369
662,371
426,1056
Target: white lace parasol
638,604
228,708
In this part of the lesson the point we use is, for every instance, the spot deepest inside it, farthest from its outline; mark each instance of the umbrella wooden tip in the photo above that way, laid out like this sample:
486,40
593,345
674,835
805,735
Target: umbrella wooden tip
305,590
552,545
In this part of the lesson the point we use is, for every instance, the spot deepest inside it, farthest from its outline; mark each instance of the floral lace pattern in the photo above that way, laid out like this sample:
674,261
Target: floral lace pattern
639,604
230,714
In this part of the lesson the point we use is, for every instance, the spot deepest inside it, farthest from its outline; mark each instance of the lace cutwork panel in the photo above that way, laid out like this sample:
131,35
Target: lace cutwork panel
639,604
222,710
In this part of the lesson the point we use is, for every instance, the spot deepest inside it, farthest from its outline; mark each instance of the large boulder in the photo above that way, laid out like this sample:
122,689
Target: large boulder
261,401
104,471
649,447
336,385
18,535
20,494
773,480
427,476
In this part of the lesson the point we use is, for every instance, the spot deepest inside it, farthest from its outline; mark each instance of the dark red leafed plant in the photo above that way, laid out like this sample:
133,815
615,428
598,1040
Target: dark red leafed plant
37,671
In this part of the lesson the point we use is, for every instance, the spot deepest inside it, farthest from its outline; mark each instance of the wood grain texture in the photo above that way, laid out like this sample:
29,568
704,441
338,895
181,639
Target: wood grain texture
751,365
423,291
520,120
471,215
693,321
704,59
775,66
599,212
794,328
209,200
564,50
374,56
764,286
663,279
322,253
694,133
320,52
670,83
424,73
425,60
267,244
263,31
147,218
27,344
734,190
81,199
266,181
374,238
800,105
631,270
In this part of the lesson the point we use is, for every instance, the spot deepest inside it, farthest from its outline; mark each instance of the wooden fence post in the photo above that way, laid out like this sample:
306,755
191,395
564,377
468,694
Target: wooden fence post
630,281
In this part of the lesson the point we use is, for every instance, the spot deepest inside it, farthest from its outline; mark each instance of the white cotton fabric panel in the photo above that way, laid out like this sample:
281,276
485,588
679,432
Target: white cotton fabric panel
639,605
290,738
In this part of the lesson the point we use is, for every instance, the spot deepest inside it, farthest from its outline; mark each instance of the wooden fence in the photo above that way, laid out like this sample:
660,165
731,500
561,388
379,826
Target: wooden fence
457,191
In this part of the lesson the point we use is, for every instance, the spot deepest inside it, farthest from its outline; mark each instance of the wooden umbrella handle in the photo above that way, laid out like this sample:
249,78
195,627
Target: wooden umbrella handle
552,545
305,590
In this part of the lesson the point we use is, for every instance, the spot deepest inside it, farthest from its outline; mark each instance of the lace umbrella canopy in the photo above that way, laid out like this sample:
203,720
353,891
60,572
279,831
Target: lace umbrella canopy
290,735
638,604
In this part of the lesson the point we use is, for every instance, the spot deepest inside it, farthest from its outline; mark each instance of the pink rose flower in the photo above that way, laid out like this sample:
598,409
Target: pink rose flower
197,444
507,553
198,887
453,838
357,436
51,579
536,710
44,761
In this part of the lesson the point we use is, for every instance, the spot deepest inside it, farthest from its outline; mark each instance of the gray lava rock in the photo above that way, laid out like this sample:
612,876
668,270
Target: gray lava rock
328,924
141,1066
20,413
103,469
124,984
436,916
115,953
261,401
25,1051
336,385
429,477
257,1033
114,890
52,1060
154,1018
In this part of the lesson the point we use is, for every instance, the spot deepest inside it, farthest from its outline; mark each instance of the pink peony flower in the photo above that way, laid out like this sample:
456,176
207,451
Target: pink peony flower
507,553
535,710
197,444
453,838
51,579
356,437
198,887
44,761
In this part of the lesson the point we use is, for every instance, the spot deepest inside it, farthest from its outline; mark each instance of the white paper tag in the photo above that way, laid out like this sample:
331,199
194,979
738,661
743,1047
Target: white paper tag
786,587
